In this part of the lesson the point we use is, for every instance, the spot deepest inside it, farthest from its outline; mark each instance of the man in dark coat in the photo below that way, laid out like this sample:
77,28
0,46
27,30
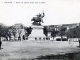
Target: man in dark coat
79,42
0,43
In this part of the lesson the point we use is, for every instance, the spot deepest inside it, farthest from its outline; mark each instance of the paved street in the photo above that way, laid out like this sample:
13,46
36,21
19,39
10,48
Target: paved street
33,49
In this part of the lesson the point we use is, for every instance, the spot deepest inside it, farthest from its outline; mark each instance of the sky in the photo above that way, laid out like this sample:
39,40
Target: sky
56,11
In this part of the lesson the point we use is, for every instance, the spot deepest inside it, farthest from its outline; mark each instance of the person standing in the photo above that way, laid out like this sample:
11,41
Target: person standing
0,43
79,42
23,37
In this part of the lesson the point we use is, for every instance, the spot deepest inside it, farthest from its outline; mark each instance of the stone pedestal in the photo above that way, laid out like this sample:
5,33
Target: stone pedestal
37,33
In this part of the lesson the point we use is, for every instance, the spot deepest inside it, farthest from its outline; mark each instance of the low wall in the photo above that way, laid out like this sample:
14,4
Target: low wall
73,39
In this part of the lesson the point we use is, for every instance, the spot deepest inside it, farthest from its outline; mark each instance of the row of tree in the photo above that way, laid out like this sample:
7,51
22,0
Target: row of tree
5,31
71,33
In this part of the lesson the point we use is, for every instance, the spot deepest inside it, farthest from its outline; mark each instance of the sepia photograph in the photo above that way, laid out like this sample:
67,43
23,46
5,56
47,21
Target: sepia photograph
39,30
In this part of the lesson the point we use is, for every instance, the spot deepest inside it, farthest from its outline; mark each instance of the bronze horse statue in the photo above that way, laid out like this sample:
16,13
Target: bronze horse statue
37,20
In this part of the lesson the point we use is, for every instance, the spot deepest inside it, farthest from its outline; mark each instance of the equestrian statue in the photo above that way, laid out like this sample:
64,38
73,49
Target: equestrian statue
38,19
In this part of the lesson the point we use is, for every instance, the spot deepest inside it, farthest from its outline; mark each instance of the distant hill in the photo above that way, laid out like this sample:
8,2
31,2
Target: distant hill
58,27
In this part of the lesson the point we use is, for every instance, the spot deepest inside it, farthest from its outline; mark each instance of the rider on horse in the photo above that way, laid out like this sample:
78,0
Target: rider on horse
37,20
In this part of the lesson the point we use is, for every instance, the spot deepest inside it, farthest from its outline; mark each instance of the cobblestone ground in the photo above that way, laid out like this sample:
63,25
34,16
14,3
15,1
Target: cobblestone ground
16,50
